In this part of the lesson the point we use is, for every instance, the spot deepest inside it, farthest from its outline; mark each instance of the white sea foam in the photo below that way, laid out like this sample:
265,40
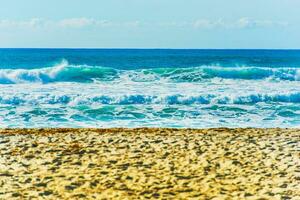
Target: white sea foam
64,72
87,96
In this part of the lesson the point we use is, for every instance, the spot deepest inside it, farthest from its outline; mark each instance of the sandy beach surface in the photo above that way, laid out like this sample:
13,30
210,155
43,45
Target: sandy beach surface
150,164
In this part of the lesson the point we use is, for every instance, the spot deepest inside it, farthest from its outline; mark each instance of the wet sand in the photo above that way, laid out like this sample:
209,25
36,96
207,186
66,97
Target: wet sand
150,164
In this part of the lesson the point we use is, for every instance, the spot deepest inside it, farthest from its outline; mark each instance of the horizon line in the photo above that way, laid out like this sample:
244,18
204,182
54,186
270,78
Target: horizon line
145,48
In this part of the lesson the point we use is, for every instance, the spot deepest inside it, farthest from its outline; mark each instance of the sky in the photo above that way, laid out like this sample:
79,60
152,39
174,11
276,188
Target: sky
258,24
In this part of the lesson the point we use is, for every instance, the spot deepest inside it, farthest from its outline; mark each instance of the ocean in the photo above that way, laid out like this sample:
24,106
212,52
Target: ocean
149,88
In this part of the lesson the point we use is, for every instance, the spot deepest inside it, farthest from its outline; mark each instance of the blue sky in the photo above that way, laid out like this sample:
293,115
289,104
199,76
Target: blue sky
150,23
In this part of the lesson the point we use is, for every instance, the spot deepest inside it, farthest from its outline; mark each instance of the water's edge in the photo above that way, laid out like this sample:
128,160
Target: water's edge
146,130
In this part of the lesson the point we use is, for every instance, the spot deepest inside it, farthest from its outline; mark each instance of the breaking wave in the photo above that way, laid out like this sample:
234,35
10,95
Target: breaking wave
65,72
147,99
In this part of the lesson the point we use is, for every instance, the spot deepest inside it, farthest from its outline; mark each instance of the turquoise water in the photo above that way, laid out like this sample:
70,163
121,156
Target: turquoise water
153,88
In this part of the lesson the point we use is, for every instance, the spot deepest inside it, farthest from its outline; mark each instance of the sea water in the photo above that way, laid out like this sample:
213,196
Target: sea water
149,88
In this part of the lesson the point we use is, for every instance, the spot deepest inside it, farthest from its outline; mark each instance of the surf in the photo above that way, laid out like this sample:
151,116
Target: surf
65,72
62,72
143,99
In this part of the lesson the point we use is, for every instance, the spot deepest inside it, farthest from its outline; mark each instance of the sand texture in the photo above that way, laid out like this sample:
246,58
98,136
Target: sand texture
150,164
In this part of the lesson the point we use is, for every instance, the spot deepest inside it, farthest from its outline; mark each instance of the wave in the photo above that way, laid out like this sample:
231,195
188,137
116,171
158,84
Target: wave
64,72
177,99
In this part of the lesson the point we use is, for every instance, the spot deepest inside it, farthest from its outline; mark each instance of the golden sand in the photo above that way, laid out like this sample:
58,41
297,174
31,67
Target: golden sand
150,164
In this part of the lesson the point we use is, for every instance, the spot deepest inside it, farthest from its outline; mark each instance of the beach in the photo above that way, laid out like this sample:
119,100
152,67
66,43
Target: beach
150,163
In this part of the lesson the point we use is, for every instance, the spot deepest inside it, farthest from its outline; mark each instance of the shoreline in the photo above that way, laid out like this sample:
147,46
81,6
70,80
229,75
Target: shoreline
121,163
12,131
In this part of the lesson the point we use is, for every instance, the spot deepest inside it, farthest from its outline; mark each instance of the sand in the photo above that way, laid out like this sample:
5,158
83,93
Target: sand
150,164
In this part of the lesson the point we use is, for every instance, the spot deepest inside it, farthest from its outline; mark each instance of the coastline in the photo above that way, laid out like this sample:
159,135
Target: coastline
221,163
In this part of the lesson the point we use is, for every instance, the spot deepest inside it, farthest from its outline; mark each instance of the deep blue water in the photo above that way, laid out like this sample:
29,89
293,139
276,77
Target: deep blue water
147,58
154,87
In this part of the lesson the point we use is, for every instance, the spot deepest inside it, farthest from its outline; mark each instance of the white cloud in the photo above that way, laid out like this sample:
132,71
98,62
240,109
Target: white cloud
241,23
208,24
34,22
132,24
77,23
84,22
65,23
203,23
248,23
